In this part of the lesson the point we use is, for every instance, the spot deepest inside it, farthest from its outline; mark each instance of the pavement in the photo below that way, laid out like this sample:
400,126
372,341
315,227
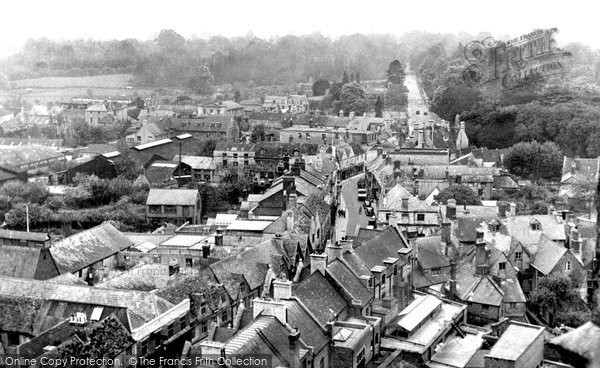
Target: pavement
349,201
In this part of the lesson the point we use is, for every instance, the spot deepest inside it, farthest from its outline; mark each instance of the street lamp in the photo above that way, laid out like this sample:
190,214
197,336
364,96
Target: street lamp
181,138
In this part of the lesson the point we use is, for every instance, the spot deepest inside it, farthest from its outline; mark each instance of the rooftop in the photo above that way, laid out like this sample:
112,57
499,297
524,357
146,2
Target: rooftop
174,197
515,340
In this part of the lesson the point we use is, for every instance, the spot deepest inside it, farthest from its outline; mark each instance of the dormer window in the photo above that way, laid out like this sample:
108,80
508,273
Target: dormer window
535,225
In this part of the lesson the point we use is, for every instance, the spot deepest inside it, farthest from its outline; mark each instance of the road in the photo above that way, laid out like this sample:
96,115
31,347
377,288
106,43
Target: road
349,201
417,102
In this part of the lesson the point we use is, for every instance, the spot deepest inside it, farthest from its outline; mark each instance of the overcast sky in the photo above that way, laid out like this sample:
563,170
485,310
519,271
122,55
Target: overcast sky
577,20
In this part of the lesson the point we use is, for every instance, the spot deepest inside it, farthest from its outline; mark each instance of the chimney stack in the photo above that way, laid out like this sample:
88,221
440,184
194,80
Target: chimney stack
289,217
333,250
282,289
513,209
293,338
481,255
318,262
206,250
502,209
575,240
219,238
405,203
452,279
451,209
446,232
292,201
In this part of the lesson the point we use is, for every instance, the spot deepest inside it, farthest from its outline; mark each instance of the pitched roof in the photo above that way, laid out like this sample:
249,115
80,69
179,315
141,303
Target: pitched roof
310,329
393,201
197,162
520,228
88,247
321,298
515,340
417,311
24,235
584,341
350,282
430,252
16,261
251,264
173,197
548,255
385,244
142,306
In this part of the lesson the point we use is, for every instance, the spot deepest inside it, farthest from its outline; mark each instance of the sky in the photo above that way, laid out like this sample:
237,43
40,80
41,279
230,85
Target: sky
576,20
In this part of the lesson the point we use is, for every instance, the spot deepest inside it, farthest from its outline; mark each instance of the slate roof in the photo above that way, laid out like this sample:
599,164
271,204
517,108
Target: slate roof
24,235
520,228
197,162
350,282
584,341
320,297
393,201
585,168
88,247
142,306
263,335
430,252
310,329
23,155
173,197
16,261
19,314
548,255
383,245
512,291
251,264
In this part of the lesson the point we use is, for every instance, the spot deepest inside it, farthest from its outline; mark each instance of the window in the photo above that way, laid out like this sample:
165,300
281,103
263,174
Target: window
307,135
383,280
502,266
144,347
224,163
139,138
395,269
224,315
223,300
484,307
203,308
420,217
436,271
322,363
371,282
235,163
324,136
171,210
171,329
154,209
203,327
404,217
235,155
361,355
518,255
183,322
13,338
567,266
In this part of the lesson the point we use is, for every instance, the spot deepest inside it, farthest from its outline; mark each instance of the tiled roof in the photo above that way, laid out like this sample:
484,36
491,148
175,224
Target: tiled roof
88,247
583,341
19,314
512,291
321,298
142,305
16,261
350,282
174,197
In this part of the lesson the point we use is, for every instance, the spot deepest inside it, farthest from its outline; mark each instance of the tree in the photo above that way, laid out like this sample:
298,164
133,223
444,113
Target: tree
352,79
352,99
559,296
237,96
357,77
125,164
206,148
534,160
396,96
80,132
461,193
395,72
319,87
258,133
345,79
378,107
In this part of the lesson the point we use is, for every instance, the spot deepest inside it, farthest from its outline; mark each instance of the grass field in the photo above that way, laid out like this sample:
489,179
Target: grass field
42,90
95,81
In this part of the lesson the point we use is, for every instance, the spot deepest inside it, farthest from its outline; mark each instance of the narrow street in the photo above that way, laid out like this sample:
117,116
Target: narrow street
347,225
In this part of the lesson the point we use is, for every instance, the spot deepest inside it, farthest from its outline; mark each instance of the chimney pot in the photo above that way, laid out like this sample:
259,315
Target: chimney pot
318,262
